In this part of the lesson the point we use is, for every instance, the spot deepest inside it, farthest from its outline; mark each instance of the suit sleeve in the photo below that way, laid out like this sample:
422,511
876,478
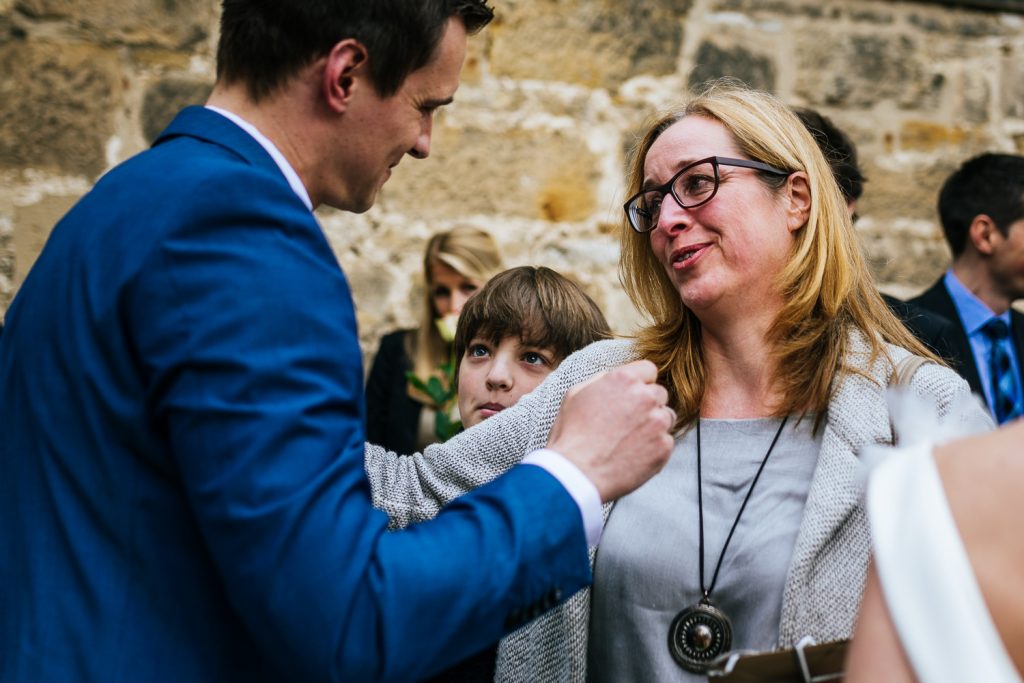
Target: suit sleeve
414,487
245,334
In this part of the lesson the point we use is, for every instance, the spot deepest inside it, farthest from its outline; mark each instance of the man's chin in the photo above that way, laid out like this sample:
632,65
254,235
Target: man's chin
353,204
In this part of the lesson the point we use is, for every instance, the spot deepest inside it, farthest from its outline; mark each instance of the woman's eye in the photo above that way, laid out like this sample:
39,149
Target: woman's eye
468,288
442,292
697,183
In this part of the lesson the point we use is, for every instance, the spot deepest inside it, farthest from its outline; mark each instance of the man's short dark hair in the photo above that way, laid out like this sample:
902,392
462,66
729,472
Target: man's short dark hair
989,184
265,42
839,151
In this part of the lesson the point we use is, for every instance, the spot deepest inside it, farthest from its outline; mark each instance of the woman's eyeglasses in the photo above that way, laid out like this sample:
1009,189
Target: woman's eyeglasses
694,185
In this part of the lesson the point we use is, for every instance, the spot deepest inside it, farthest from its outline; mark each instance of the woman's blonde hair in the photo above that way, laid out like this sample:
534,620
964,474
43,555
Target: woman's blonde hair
472,253
826,287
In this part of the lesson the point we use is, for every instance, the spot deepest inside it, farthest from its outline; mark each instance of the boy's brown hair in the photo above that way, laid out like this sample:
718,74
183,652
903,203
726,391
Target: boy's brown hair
536,304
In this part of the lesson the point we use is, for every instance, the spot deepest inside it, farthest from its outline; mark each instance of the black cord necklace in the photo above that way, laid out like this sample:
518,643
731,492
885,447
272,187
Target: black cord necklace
700,633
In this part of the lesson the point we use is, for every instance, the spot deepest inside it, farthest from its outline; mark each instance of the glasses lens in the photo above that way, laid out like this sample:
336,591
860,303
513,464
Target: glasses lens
643,211
695,185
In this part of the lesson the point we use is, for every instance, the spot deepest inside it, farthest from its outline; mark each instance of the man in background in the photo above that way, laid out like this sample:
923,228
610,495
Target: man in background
981,206
182,492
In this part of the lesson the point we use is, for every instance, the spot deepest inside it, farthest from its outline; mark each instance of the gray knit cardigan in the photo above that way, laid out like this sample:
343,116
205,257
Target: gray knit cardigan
826,576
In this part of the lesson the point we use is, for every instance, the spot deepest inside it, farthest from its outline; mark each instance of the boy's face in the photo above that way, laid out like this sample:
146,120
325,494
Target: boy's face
492,378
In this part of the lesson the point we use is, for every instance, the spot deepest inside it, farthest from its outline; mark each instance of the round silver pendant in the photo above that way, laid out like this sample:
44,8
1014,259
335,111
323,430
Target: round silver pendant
697,635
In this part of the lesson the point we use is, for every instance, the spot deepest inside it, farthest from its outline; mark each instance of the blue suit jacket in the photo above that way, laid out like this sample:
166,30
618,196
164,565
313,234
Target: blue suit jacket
182,495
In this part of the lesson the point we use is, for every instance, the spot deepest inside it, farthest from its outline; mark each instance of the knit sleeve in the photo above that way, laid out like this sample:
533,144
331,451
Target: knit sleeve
953,399
412,488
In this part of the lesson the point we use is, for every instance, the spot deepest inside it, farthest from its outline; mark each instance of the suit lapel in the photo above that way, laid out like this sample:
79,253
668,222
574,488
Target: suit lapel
938,300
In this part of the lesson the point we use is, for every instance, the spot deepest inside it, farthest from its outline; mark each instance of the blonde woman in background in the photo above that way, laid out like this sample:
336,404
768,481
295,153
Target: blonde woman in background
400,417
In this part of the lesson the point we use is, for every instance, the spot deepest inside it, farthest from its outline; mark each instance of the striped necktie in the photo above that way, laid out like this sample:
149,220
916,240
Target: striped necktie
1003,381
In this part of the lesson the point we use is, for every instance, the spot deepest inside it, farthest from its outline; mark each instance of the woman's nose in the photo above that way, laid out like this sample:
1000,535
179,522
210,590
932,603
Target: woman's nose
459,300
671,216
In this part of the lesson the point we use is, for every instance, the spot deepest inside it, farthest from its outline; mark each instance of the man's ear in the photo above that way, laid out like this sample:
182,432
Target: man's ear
983,234
345,62
799,194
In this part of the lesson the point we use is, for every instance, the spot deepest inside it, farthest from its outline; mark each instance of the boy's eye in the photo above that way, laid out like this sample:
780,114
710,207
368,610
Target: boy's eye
534,358
477,351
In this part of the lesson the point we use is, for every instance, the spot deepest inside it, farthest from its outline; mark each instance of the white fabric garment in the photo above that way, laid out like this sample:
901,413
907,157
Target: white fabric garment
929,586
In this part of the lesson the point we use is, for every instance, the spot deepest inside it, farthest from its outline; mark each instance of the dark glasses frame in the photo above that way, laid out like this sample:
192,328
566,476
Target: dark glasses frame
631,207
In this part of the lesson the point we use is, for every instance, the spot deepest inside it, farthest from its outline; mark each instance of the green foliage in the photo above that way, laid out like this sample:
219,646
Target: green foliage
443,398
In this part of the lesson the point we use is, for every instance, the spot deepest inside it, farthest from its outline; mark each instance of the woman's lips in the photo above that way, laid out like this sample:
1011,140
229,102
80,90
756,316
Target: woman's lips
687,256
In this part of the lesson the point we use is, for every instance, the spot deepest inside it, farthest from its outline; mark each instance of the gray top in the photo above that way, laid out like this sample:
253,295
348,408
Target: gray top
647,566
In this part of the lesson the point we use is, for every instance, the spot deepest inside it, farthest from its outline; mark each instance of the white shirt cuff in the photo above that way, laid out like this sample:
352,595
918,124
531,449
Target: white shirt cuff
582,490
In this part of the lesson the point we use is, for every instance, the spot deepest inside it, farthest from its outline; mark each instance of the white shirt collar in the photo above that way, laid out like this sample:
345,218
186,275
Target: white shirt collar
289,173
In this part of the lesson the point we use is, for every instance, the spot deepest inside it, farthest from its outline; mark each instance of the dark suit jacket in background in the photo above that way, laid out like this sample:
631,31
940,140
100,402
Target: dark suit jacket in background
182,487
392,416
931,329
938,300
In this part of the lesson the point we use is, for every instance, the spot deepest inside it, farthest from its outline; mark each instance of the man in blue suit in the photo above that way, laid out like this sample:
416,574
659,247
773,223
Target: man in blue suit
182,495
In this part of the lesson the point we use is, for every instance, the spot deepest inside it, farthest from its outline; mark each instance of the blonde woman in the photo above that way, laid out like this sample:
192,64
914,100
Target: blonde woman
776,349
399,416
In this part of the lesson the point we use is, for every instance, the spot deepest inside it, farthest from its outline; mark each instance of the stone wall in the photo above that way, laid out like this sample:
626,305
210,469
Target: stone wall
534,148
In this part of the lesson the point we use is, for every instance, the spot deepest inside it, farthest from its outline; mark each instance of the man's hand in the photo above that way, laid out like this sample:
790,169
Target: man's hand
615,428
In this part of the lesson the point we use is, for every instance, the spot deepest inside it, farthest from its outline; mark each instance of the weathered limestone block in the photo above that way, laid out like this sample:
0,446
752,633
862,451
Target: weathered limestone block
521,173
165,98
597,43
860,70
7,29
168,23
35,221
717,59
476,58
927,136
961,24
902,190
974,96
1012,81
871,13
60,106
7,261
773,8
530,104
905,260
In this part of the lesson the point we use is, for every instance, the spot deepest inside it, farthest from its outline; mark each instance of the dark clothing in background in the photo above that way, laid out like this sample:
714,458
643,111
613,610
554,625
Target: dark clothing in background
392,416
938,300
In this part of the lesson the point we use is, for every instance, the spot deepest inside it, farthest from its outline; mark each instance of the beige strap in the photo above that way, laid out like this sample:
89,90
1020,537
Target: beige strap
905,370
902,373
